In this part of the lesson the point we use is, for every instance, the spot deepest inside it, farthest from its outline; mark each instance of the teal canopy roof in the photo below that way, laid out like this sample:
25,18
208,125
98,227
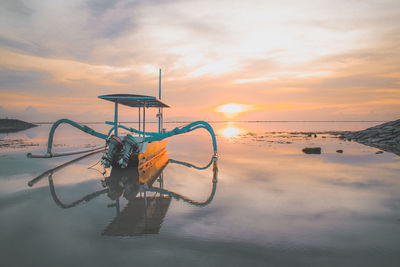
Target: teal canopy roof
135,101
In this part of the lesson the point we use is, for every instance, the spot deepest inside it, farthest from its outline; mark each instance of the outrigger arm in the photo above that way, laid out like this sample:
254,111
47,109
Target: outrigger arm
148,136
83,128
155,136
129,145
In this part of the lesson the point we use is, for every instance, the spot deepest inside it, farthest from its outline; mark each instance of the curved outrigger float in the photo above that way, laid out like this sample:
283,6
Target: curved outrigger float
139,145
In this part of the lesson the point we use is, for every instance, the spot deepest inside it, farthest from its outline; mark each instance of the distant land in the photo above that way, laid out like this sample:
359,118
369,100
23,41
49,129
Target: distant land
11,125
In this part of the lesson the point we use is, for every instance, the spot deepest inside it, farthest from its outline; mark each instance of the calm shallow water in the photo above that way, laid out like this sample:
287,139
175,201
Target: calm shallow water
274,205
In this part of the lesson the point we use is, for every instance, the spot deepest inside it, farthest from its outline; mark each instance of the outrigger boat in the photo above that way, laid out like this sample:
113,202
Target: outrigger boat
138,146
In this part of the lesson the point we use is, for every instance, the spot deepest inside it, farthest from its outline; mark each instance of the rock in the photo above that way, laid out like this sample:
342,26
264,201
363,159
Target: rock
312,150
339,151
385,136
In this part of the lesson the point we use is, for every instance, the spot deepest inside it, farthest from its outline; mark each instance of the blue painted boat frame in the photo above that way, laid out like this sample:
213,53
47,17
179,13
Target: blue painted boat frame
136,101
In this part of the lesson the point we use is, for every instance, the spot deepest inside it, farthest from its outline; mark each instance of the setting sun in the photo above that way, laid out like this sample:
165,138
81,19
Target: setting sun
232,109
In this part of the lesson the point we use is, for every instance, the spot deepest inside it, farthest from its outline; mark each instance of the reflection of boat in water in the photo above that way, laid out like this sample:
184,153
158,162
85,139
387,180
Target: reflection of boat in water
140,216
141,185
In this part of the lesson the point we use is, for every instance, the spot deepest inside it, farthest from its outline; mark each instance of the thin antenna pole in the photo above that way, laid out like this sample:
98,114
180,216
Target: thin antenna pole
159,109
159,85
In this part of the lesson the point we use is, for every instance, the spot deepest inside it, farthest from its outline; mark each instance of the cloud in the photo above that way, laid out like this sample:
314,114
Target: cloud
26,47
266,53
17,7
360,81
110,19
22,80
357,184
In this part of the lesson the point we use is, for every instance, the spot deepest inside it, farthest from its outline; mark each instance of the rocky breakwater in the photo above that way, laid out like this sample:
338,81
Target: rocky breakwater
385,136
10,125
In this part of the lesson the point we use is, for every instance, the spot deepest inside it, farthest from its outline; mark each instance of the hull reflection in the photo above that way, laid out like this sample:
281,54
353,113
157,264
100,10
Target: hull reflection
141,184
140,216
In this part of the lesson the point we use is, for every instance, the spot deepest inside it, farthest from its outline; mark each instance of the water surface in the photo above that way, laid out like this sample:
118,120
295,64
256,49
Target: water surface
274,205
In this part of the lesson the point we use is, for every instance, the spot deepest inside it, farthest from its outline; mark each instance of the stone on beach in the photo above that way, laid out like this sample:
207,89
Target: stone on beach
312,150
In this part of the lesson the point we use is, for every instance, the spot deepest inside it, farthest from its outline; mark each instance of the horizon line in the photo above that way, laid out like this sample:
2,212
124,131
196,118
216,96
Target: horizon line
225,121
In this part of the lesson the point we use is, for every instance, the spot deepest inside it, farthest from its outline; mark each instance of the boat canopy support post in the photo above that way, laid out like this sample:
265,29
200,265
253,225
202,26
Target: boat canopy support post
139,119
116,119
144,119
83,128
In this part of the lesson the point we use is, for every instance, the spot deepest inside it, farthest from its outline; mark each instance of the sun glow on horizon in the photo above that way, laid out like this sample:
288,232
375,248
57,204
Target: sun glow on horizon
231,110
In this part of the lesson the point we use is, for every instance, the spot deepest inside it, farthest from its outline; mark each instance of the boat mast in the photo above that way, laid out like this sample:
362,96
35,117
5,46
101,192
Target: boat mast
160,111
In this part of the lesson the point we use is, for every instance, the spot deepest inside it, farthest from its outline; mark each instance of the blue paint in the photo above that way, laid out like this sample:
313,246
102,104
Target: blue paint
147,136
128,97
153,136
144,119
83,128
188,128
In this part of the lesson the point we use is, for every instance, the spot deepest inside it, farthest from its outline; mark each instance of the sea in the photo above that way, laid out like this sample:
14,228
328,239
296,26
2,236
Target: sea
263,202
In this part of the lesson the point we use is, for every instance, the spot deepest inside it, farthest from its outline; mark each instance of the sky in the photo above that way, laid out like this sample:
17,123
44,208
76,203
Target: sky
277,60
